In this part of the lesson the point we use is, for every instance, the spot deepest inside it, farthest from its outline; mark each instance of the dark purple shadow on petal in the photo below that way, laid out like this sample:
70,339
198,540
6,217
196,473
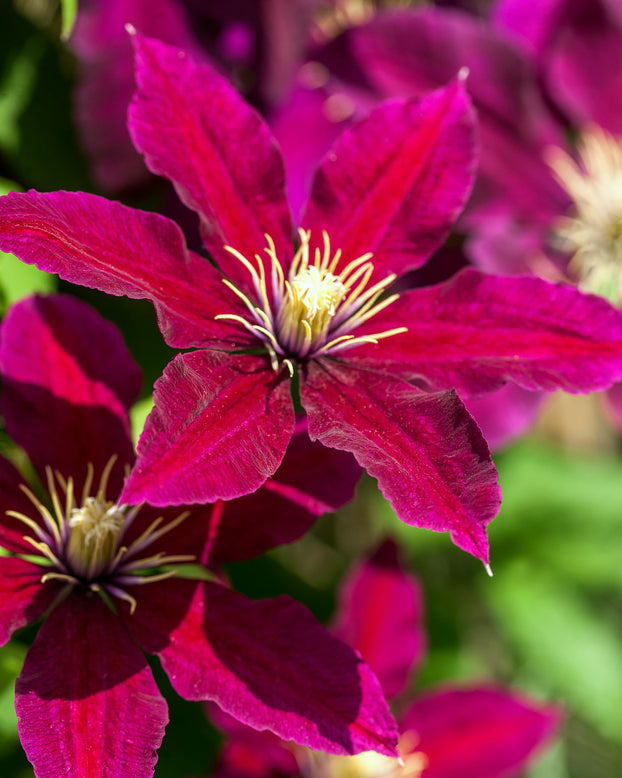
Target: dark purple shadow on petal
229,633
72,435
311,480
13,499
81,622
339,665
23,598
72,331
86,700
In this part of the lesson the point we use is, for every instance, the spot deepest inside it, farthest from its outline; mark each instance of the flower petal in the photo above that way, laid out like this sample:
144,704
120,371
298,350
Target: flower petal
476,733
311,480
102,244
219,428
68,381
269,664
106,82
86,702
505,415
23,598
13,499
476,331
427,453
407,51
380,614
395,182
195,129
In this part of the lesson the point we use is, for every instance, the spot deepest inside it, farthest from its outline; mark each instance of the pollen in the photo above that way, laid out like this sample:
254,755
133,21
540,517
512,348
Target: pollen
84,541
307,310
314,308
94,530
592,231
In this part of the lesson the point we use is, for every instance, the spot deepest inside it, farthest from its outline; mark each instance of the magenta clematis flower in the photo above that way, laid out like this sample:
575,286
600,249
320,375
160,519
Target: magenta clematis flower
86,701
376,372
260,41
477,731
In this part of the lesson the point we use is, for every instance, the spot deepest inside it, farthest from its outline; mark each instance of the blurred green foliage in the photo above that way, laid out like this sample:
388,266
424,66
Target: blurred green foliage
549,621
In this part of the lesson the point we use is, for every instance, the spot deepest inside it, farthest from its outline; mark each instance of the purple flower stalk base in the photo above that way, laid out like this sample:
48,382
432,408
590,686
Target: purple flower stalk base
377,373
95,568
475,731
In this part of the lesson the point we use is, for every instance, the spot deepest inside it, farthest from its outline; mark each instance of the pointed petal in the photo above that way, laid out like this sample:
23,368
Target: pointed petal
269,664
68,381
476,733
195,129
405,52
106,82
311,480
102,244
427,453
219,428
380,614
23,598
86,702
396,182
476,331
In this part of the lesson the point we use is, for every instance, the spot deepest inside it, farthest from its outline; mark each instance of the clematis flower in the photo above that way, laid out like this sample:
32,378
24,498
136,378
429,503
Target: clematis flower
476,731
259,41
376,372
108,578
574,48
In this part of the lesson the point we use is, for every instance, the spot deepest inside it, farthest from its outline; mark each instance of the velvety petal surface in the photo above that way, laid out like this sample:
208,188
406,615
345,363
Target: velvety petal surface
196,130
312,480
477,733
102,244
68,381
23,598
106,82
219,428
86,702
477,331
380,614
292,677
427,453
397,193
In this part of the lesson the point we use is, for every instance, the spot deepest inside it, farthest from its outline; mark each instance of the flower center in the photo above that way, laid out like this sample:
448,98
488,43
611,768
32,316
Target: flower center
87,544
94,530
315,309
311,300
593,232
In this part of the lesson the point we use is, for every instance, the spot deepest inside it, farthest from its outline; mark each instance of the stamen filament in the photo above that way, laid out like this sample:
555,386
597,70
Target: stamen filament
315,305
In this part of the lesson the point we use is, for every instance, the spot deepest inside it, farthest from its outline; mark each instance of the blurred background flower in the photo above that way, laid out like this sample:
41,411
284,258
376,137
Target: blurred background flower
549,621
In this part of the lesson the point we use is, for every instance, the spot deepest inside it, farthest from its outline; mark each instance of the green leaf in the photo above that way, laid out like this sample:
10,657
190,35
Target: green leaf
69,11
563,510
138,415
565,640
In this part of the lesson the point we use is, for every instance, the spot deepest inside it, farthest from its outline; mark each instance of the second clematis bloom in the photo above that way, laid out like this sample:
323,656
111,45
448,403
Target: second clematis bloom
109,578
375,372
474,731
